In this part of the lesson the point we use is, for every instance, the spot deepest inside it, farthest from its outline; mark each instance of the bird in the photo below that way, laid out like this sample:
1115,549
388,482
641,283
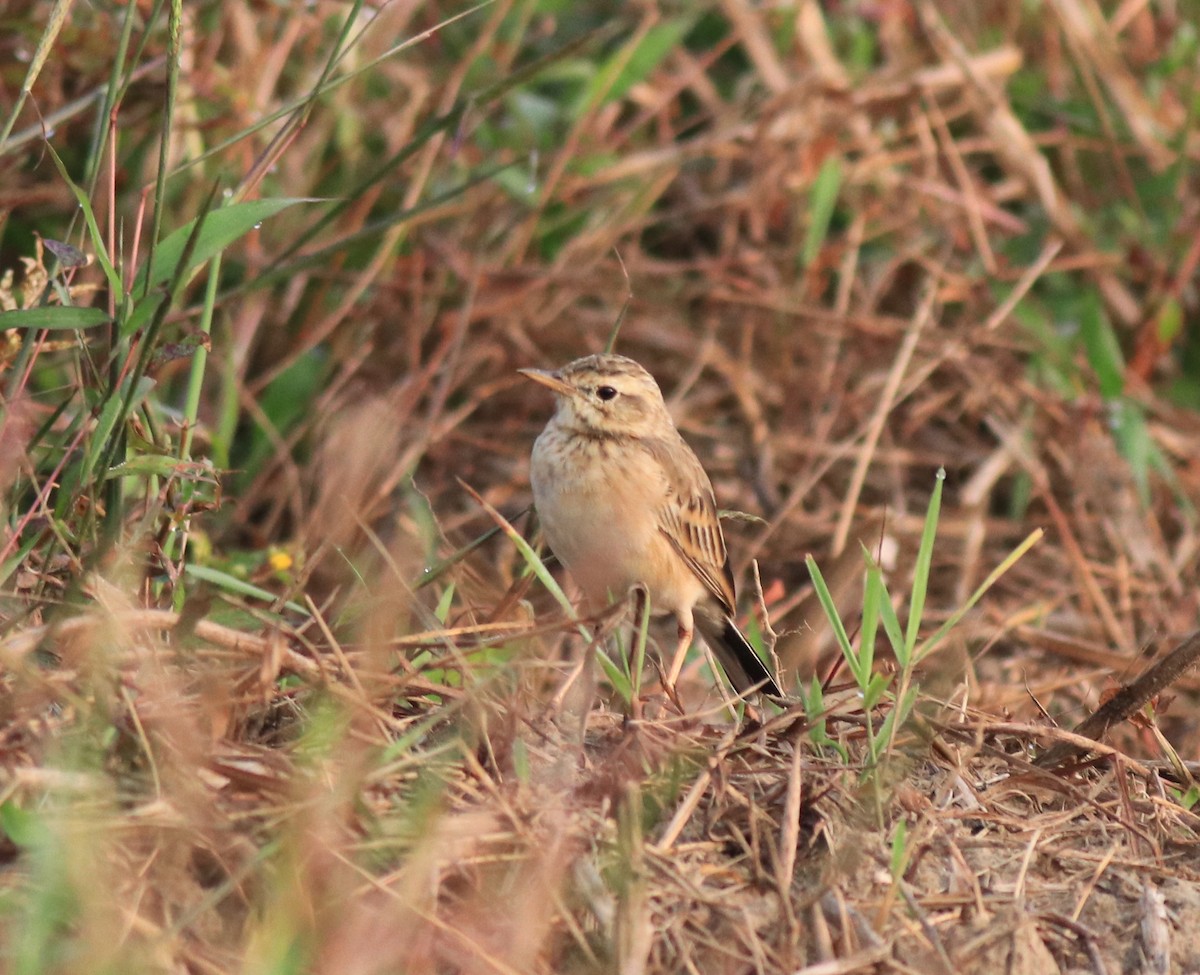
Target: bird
624,502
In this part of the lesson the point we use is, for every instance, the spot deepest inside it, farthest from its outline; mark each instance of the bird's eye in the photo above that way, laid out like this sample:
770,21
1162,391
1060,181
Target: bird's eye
606,393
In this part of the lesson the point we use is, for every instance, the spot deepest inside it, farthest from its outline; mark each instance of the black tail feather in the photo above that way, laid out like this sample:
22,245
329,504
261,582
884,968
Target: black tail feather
744,668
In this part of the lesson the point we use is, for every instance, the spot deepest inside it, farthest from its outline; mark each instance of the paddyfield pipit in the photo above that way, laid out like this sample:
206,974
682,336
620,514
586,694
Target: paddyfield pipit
624,502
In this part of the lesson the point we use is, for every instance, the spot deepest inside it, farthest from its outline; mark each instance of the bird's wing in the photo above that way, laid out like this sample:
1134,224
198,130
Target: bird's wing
688,518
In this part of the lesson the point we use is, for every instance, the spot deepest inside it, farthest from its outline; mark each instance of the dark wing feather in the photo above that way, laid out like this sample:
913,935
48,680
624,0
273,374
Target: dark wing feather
688,518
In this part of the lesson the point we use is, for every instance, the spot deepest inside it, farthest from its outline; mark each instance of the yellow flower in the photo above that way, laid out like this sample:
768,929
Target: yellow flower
280,561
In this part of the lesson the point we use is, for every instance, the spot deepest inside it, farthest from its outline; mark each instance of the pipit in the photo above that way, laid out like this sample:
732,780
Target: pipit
624,502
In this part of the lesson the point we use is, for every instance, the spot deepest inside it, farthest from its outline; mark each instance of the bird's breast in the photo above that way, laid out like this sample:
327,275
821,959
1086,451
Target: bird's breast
598,501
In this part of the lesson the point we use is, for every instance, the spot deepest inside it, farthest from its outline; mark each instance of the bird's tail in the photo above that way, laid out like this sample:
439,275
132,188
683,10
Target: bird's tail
744,668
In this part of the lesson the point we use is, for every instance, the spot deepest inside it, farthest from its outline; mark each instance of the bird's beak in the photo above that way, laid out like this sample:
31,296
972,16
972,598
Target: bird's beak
548,379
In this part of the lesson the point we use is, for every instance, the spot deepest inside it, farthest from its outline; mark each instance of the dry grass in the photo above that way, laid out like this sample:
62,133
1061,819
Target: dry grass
195,780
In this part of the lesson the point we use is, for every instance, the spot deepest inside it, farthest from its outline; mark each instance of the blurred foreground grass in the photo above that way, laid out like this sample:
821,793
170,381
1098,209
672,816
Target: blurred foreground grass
269,272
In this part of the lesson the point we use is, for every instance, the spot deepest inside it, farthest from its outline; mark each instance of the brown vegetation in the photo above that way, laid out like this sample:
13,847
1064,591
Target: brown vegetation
388,781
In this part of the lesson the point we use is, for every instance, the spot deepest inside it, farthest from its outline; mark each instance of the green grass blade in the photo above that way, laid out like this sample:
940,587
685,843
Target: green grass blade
634,66
166,126
115,409
895,719
615,673
821,204
89,216
239,587
58,17
191,408
16,560
864,661
831,613
920,585
927,647
887,611
112,93
1103,349
535,564
640,636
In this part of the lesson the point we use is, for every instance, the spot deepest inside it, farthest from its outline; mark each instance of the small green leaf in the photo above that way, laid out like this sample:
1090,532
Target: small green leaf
54,317
874,690
442,611
1169,321
891,622
821,205
899,858
891,626
520,759
620,683
21,826
1136,444
1103,351
655,45
895,719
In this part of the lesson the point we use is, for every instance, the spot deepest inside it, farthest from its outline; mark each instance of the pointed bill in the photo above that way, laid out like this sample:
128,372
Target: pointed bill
548,379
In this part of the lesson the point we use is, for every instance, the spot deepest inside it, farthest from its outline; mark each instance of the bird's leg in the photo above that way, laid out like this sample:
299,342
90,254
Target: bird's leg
584,696
685,641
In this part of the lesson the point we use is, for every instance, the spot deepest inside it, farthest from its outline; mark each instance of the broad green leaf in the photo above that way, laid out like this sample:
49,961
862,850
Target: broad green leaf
54,317
219,229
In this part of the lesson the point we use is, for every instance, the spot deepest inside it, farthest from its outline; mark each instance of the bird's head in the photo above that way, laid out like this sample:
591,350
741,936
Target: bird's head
605,395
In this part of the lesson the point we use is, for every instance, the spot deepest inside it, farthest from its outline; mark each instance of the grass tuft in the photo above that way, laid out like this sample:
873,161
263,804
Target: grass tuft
278,692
